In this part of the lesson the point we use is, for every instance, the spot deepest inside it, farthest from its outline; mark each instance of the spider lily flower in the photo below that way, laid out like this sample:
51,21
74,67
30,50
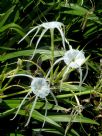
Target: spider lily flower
46,26
74,59
40,88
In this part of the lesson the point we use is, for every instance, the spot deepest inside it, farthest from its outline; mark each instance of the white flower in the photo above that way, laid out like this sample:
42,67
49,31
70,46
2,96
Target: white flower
40,88
46,26
74,59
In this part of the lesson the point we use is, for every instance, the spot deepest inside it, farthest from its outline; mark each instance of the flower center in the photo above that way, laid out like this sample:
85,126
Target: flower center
74,58
53,24
40,87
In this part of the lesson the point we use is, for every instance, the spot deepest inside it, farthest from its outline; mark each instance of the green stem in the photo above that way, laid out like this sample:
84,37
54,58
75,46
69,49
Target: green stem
13,94
70,95
52,50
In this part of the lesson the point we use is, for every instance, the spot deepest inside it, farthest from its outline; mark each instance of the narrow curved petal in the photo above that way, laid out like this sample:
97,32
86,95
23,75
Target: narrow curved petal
34,36
45,112
43,32
34,103
82,80
21,75
21,104
70,47
63,37
80,71
85,73
29,33
56,102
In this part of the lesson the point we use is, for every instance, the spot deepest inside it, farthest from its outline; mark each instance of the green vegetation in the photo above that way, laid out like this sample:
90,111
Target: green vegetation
79,108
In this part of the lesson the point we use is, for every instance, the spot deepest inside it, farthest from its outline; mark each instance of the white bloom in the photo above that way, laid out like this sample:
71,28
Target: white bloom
40,88
46,26
74,59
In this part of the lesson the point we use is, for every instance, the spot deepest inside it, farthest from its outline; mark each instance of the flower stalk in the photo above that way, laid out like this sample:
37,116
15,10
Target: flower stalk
52,51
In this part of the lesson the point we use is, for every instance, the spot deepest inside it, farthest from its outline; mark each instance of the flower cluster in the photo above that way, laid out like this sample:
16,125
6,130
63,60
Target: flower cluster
73,58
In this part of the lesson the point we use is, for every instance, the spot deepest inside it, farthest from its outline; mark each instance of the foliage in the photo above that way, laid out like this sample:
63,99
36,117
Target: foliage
83,28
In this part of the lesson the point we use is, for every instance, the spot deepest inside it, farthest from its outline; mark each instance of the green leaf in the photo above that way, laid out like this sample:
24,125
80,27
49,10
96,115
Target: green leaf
15,27
67,86
16,16
5,16
74,9
67,118
36,115
13,103
6,48
15,134
55,131
80,2
49,130
90,31
29,53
